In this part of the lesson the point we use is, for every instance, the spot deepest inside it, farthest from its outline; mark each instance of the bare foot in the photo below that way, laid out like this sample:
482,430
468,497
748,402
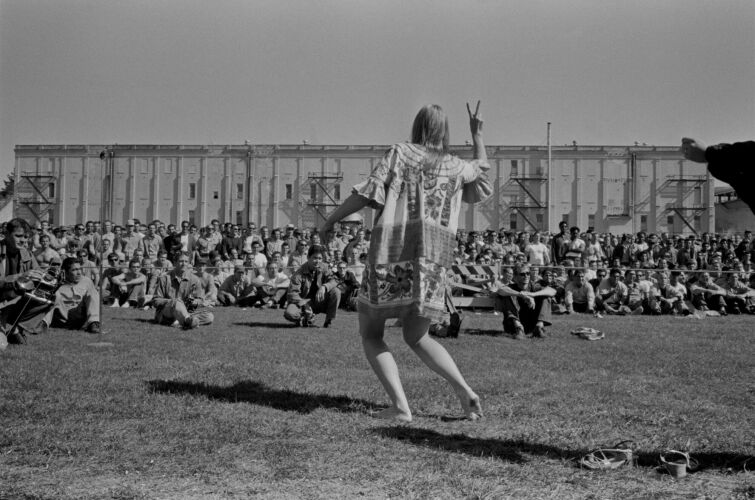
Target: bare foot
470,403
394,413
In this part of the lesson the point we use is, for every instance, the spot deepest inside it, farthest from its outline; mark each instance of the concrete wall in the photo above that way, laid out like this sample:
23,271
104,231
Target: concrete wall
611,188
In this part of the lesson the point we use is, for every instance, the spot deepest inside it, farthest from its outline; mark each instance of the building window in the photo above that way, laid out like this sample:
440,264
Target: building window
192,190
192,219
643,223
239,191
565,218
698,195
240,218
539,220
591,222
313,191
289,191
670,223
512,221
514,167
698,224
215,195
51,190
337,192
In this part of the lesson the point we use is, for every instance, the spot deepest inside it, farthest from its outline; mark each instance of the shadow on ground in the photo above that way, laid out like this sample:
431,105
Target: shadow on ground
516,451
259,394
262,324
480,331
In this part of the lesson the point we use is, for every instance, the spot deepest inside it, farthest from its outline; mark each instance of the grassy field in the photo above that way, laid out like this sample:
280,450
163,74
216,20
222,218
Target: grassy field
251,407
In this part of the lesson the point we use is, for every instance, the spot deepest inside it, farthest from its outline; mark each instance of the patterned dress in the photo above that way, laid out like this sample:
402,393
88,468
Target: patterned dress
418,196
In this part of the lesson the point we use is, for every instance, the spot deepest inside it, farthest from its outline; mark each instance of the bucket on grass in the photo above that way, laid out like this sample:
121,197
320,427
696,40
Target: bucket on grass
678,463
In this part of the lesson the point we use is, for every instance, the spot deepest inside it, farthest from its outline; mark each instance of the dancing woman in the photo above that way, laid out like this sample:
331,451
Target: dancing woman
417,190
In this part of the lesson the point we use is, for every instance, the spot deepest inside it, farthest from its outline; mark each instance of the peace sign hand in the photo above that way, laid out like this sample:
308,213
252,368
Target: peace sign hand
475,120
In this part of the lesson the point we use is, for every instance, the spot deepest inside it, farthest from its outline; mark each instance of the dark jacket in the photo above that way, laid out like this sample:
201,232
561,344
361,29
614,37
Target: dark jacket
11,267
303,279
229,242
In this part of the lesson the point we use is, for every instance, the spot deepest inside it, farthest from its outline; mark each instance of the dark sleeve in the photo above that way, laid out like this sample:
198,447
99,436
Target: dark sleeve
329,279
733,164
730,153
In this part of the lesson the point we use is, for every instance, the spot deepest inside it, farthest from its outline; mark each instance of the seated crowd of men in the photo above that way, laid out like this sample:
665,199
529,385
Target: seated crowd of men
181,275
181,272
602,274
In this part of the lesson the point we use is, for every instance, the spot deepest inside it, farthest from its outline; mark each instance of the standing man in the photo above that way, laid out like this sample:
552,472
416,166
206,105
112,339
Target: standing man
151,242
172,243
559,243
131,240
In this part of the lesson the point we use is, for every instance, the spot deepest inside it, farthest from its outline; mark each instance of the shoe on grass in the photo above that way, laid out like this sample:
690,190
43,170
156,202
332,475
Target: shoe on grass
327,323
191,323
519,331
93,327
539,332
16,337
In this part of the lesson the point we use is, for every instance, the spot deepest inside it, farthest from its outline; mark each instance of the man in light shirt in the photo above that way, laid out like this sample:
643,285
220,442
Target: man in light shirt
580,297
537,251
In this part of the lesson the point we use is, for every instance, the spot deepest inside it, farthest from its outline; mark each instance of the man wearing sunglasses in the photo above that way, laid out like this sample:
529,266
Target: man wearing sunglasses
526,305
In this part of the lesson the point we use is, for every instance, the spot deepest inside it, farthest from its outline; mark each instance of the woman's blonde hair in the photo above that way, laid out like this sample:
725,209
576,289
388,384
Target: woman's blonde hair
430,128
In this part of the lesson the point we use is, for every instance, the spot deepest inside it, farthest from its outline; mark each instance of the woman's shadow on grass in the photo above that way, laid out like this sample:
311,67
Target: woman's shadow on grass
516,451
257,393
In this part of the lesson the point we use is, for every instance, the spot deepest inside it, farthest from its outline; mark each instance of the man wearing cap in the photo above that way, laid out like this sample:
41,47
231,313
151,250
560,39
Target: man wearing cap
237,289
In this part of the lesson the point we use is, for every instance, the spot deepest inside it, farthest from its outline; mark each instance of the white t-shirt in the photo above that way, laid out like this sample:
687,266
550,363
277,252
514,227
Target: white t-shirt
537,253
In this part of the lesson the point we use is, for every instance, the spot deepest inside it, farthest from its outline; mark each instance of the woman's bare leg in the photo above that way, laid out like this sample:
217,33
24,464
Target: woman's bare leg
381,360
437,359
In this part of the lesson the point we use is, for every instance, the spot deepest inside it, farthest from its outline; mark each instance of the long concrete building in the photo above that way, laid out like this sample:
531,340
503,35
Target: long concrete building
617,189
